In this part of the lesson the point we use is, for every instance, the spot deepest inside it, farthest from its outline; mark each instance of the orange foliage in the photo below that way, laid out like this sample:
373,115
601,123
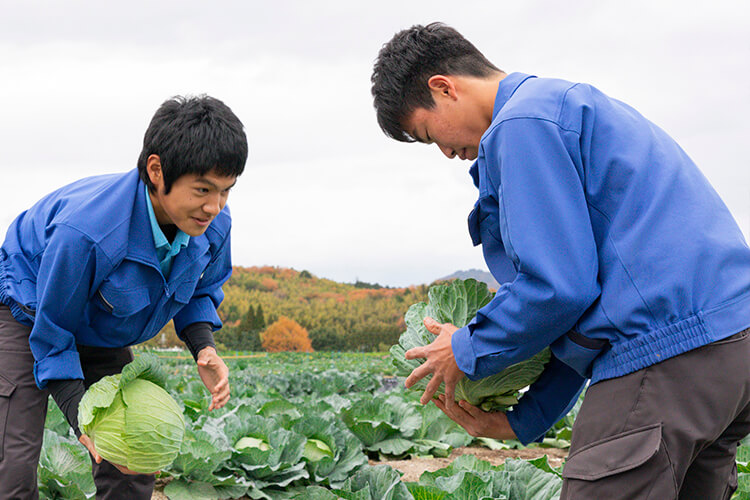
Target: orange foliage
286,335
269,284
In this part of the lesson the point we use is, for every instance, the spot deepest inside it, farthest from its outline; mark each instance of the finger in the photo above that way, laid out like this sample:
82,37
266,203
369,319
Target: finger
221,397
416,352
432,386
432,325
418,373
471,409
450,394
450,414
220,386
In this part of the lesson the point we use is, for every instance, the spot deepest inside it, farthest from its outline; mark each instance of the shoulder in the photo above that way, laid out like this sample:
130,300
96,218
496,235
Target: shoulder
549,100
96,206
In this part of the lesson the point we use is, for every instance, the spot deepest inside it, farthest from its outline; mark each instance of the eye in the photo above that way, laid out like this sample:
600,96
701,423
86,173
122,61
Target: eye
202,190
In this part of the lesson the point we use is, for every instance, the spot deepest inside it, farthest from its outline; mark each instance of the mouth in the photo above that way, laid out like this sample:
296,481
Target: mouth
201,222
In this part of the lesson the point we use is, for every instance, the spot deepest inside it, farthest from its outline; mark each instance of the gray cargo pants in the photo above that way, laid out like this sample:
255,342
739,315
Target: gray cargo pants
669,431
23,408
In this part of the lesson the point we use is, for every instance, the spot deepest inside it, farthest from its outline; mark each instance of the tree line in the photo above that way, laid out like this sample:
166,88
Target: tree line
336,316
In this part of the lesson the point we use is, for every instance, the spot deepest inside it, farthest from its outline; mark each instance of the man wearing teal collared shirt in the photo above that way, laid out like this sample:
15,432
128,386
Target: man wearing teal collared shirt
165,251
105,263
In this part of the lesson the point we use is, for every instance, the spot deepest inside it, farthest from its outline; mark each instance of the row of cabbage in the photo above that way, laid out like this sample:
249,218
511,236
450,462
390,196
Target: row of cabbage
303,427
285,430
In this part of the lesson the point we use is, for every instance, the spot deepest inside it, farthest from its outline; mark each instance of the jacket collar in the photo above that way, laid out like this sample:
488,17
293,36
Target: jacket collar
506,89
141,245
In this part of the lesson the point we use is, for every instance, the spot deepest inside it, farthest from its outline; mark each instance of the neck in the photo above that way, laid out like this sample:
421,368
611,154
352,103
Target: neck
487,92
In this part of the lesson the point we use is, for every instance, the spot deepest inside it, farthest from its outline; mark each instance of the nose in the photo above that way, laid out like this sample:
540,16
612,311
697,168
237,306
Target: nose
213,205
447,151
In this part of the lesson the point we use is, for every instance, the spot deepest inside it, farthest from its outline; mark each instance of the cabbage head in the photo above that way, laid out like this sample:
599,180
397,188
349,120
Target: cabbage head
458,303
131,418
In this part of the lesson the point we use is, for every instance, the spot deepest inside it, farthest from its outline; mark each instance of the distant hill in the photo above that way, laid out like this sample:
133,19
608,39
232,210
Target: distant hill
338,316
477,274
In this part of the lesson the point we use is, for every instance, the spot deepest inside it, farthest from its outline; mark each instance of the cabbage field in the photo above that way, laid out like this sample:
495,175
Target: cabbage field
319,427
316,422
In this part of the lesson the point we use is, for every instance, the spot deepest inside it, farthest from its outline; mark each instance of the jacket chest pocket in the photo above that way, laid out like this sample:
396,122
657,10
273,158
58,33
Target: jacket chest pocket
122,311
181,297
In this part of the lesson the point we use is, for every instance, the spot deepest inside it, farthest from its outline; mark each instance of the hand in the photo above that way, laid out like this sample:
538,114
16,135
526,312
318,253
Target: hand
89,444
440,362
476,421
215,376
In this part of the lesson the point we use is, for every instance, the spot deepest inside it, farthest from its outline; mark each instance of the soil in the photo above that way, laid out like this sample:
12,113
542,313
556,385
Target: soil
414,468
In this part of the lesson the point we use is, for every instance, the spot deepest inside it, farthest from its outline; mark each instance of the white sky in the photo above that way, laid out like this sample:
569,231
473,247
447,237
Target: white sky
324,189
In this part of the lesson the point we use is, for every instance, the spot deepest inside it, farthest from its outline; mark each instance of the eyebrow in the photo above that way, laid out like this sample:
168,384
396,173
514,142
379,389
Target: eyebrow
209,183
416,137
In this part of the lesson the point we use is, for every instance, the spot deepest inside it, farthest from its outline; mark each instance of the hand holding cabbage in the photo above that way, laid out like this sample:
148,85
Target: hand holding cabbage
456,304
440,362
130,419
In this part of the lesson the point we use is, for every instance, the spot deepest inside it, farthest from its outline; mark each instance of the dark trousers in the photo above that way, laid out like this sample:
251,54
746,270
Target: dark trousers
669,431
23,408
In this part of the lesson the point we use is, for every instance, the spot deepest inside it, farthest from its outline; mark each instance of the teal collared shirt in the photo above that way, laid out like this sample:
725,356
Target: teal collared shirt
165,251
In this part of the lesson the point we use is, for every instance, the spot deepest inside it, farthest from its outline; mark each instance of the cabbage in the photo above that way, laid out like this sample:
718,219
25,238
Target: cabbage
315,450
251,442
131,418
457,303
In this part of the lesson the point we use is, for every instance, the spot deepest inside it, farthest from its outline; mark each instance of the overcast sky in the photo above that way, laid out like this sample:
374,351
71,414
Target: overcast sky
324,189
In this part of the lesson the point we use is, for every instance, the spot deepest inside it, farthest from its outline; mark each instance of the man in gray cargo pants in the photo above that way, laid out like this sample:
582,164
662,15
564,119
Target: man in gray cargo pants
635,434
23,408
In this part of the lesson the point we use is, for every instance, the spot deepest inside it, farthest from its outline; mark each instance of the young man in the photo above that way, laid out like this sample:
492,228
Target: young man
611,247
105,263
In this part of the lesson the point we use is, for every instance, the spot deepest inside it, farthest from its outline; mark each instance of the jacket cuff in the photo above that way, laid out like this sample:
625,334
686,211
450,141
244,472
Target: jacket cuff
527,427
197,336
61,366
463,352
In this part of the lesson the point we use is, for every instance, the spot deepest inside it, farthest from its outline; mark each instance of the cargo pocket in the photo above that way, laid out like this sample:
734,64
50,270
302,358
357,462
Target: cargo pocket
6,389
619,458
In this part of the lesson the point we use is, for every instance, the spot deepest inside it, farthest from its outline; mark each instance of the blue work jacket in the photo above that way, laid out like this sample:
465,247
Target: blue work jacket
80,267
610,246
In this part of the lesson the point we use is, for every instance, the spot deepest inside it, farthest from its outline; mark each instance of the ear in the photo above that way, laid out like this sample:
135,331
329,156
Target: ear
443,86
153,169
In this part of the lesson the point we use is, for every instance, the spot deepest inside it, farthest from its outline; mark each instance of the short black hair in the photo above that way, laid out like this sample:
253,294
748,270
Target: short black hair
194,135
406,63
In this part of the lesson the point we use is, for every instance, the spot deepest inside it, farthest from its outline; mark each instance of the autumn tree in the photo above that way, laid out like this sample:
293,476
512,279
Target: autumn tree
286,335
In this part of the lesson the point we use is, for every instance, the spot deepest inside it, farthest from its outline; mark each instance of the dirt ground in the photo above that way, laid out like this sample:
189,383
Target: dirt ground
414,468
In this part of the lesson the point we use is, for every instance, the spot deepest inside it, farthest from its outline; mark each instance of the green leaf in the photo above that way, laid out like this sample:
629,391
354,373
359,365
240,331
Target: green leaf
528,482
180,489
97,398
457,303
64,469
146,367
379,482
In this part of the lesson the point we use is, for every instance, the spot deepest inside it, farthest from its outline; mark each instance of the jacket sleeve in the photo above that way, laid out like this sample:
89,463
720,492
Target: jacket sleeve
67,270
208,293
546,232
548,400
